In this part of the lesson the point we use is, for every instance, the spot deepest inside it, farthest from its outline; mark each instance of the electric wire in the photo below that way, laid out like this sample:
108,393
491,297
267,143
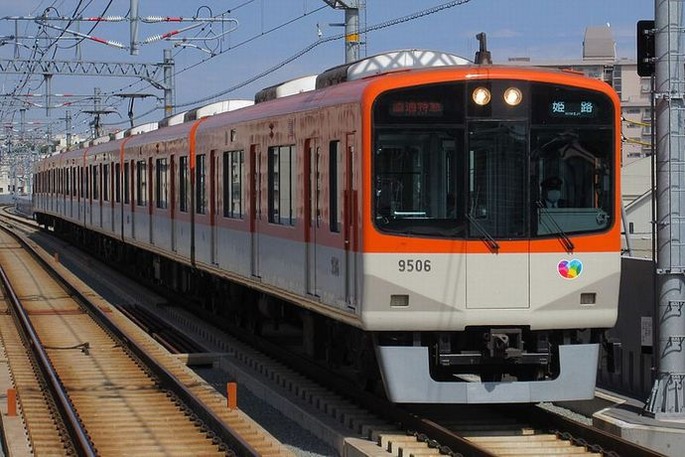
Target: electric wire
254,78
321,41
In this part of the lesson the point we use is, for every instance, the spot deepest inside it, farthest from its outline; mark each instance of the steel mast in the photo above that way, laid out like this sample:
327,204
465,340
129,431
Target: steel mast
666,399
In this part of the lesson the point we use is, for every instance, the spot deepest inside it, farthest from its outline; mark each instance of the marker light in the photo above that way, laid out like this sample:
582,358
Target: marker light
513,96
481,96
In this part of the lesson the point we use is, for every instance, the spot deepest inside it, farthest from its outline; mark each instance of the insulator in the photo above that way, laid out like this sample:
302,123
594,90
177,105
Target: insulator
155,18
152,39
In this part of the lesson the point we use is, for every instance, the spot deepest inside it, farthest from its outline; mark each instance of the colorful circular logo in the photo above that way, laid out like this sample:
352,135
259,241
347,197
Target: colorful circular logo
570,269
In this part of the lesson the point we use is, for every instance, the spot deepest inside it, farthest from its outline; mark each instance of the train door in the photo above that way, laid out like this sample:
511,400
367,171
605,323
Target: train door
100,186
89,194
72,191
172,200
63,190
149,200
497,265
132,184
112,197
350,224
255,207
312,212
79,198
213,179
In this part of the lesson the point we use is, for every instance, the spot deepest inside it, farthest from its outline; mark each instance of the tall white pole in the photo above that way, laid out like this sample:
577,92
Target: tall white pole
666,399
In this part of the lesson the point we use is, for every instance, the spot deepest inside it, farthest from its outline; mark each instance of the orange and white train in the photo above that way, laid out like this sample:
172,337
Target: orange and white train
455,226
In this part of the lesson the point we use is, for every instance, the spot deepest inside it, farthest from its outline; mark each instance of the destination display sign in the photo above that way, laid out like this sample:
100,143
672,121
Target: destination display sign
566,108
416,108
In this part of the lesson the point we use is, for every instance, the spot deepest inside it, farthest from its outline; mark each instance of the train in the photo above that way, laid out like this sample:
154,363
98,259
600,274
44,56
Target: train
449,230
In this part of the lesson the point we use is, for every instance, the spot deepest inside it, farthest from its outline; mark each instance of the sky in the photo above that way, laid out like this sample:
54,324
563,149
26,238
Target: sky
265,40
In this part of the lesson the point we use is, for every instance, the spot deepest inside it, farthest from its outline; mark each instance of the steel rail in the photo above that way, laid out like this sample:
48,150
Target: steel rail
591,437
234,443
80,440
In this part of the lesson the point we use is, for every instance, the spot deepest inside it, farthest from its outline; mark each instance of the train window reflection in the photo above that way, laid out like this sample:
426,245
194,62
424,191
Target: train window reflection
233,184
497,178
417,179
573,171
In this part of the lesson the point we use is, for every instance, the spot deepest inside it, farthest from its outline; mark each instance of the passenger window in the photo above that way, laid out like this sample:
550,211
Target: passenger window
282,185
117,183
233,184
141,183
183,184
335,185
105,182
127,183
200,188
161,183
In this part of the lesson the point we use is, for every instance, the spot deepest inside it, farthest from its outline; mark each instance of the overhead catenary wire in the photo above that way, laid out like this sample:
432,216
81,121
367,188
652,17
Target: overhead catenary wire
273,68
321,41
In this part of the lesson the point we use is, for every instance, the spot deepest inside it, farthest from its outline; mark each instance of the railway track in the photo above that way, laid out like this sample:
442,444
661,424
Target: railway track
425,431
114,398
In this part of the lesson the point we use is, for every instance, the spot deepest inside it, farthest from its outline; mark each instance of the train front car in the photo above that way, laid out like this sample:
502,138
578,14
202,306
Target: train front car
491,244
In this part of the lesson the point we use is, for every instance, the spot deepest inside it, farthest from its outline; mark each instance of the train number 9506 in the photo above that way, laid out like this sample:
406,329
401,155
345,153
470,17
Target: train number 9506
414,265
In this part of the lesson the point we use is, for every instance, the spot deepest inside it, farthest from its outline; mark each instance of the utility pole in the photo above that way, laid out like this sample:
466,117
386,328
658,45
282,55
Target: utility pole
666,399
22,123
133,17
168,66
67,118
352,41
48,90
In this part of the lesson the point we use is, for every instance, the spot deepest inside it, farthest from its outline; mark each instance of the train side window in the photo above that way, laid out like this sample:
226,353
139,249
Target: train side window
105,182
162,184
183,183
86,182
127,182
117,182
233,184
141,182
200,178
282,169
335,187
82,179
95,176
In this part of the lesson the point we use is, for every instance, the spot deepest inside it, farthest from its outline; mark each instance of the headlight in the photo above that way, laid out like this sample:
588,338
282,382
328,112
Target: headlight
513,96
481,96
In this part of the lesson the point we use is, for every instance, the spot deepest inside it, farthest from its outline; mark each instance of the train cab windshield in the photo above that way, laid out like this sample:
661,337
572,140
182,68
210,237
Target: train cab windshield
445,166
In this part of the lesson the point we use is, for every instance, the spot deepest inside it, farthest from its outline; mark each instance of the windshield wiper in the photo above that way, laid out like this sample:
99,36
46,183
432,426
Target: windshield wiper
487,238
563,237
